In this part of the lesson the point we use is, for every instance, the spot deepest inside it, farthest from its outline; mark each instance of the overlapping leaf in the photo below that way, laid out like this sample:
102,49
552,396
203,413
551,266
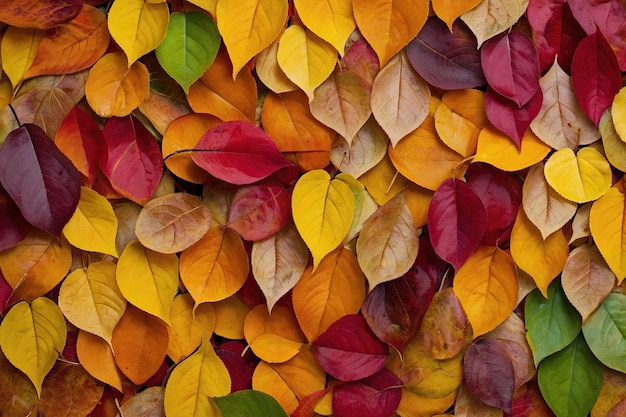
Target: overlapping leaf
492,17
606,222
331,20
41,14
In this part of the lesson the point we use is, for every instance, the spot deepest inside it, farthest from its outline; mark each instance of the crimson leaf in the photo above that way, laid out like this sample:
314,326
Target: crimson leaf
376,396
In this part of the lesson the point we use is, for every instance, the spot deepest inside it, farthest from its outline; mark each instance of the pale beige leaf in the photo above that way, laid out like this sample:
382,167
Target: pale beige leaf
492,17
580,224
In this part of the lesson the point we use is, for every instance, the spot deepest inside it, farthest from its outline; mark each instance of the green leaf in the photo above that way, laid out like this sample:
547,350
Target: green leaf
552,323
248,403
570,380
189,48
605,331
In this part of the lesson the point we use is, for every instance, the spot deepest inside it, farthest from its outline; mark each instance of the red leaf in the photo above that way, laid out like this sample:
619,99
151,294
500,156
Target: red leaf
376,396
362,60
457,221
530,403
258,211
42,182
511,66
446,59
596,77
13,225
349,350
394,310
489,374
429,261
240,366
508,117
133,161
306,406
5,292
501,194
238,152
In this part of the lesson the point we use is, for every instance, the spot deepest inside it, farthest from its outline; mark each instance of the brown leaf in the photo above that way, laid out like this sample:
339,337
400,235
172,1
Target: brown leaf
18,397
70,391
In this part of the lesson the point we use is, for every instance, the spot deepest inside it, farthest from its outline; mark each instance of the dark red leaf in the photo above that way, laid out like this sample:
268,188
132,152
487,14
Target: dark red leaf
488,373
5,292
69,351
607,15
596,77
394,310
158,377
429,261
258,211
530,403
238,152
349,350
501,194
240,366
457,221
508,117
42,181
133,161
446,59
511,66
376,396
13,225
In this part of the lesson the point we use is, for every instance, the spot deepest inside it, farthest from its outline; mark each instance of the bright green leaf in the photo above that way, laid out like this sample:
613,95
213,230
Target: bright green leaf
605,331
249,403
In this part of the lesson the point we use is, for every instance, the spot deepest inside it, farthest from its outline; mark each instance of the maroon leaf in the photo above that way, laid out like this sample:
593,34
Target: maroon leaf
607,15
395,309
596,77
376,396
511,66
488,373
508,117
530,403
429,261
258,211
457,221
446,59
13,225
501,194
238,152
240,366
362,60
42,181
349,350
5,292
133,161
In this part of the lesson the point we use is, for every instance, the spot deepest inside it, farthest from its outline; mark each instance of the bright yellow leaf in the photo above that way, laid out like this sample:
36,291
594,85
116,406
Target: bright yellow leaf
497,149
32,336
331,20
194,381
580,177
306,59
383,181
323,210
460,118
614,146
186,330
249,26
114,89
618,110
229,317
608,228
208,5
428,407
93,226
18,50
91,299
450,10
428,377
269,72
148,279
137,26
486,286
388,25
96,356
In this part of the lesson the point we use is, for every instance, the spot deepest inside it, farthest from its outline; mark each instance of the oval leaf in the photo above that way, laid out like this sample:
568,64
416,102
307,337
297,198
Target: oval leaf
249,403
331,20
606,222
605,329
367,149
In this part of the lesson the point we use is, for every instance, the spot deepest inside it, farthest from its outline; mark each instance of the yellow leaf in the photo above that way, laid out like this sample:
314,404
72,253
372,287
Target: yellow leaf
614,146
137,26
486,286
426,376
269,72
113,89
491,17
306,59
449,10
229,317
497,149
192,383
618,109
418,200
215,267
388,25
321,297
93,226
208,5
331,20
606,221
323,210
32,336
428,407
387,245
383,182
96,356
186,331
91,299
580,177
460,118
18,50
148,279
6,93
542,259
249,26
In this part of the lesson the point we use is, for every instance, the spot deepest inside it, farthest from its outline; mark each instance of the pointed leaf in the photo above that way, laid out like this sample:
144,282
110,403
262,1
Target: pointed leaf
270,73
606,222
96,356
367,149
15,385
450,10
32,336
492,17
39,178
376,396
13,225
138,26
188,327
321,297
459,119
249,403
147,403
619,103
614,146
91,299
40,14
388,26
19,49
331,20
189,47
486,286
512,120
383,182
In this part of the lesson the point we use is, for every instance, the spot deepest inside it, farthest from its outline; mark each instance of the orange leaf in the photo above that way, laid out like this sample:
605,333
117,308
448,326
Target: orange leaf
140,344
216,93
383,181
96,356
41,14
449,10
460,118
215,267
335,289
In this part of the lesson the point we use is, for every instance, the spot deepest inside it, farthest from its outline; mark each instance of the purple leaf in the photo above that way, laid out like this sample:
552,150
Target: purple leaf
376,396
